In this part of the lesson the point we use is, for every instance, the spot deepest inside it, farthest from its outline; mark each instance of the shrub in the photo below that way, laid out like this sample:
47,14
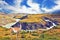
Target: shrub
23,32
34,34
35,39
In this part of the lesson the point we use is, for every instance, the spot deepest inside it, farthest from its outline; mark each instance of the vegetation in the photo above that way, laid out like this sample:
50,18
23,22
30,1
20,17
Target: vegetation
5,20
5,34
52,34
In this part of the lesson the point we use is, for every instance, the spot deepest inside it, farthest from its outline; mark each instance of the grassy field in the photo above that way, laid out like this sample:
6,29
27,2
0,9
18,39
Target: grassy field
53,34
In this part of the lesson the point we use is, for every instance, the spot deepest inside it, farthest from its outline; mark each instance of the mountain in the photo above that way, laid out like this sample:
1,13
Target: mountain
5,19
56,12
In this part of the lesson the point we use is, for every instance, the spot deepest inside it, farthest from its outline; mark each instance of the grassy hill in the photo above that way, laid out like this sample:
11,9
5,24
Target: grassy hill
4,19
52,34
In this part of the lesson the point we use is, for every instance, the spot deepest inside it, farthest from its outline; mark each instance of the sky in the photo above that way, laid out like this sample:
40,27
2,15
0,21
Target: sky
30,6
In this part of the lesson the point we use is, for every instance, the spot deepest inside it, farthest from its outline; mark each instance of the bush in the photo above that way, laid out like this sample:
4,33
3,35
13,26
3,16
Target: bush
23,32
35,39
34,34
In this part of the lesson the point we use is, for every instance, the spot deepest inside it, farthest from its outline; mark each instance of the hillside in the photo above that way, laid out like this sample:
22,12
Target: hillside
39,17
52,34
4,19
5,34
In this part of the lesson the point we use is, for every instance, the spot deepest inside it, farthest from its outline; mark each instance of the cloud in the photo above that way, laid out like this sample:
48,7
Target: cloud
18,9
34,7
57,7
